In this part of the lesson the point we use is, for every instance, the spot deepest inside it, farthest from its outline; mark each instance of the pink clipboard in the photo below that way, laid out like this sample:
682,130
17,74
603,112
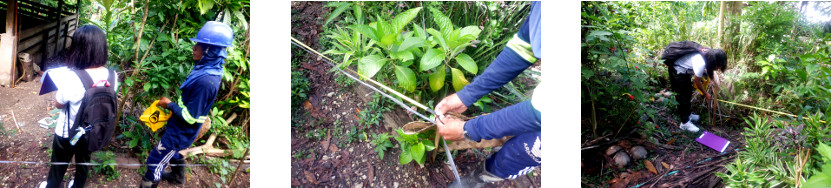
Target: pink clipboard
713,141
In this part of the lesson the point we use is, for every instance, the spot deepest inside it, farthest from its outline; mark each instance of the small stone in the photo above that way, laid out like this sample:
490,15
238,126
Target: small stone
359,185
325,157
330,94
350,149
638,152
613,149
395,184
363,177
621,159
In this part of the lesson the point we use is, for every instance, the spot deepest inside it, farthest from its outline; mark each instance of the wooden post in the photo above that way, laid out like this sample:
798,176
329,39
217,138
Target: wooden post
58,27
7,40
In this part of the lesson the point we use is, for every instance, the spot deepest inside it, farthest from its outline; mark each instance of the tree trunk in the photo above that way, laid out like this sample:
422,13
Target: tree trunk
720,36
732,29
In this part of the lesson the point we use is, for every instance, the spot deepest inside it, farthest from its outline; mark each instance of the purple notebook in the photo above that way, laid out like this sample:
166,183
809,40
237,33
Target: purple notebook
713,141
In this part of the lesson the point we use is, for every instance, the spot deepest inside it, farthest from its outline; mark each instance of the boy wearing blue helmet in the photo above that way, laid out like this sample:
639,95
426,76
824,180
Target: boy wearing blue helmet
193,105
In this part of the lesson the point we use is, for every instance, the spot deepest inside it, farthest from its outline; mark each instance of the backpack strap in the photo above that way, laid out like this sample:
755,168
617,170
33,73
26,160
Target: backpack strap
85,78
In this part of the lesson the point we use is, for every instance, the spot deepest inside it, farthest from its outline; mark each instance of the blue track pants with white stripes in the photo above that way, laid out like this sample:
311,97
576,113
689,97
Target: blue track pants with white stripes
158,159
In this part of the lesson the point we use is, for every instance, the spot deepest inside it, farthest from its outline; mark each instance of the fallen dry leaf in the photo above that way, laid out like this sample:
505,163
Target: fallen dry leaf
294,182
308,105
650,167
665,165
671,141
310,177
333,148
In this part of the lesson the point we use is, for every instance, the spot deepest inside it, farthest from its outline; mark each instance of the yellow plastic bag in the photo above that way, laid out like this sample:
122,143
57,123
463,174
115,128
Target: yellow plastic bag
154,117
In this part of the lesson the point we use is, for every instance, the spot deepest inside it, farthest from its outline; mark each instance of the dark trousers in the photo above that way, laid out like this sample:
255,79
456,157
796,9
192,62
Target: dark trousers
63,152
682,85
518,156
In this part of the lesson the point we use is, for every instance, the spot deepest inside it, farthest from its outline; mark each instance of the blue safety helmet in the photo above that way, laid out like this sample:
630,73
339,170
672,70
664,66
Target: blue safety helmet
215,33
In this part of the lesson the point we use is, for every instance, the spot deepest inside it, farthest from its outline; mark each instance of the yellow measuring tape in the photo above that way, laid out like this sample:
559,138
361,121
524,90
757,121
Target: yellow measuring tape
766,110
707,82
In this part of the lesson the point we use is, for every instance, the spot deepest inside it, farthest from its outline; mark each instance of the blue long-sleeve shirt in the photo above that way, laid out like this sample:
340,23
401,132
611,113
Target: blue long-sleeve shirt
190,111
521,52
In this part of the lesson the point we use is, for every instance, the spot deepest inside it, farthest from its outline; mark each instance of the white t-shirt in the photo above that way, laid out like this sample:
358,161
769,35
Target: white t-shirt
71,91
691,63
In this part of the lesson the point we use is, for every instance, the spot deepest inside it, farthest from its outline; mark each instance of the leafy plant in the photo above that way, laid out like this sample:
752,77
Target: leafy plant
381,143
821,178
299,89
373,112
108,168
414,147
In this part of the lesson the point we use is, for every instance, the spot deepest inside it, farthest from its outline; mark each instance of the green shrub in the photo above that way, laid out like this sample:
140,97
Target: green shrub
299,89
107,167
414,147
382,143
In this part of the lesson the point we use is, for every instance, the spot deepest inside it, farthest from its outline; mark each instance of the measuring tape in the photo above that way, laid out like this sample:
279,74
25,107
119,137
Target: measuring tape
408,99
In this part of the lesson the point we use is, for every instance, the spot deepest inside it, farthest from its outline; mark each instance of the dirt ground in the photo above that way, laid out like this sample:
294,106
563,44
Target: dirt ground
688,163
32,142
334,162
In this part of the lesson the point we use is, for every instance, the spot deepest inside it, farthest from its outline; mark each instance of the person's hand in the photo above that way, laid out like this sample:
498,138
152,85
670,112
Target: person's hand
452,129
451,103
163,102
57,104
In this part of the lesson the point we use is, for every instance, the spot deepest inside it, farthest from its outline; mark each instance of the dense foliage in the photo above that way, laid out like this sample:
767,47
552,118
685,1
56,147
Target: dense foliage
777,60
150,48
425,50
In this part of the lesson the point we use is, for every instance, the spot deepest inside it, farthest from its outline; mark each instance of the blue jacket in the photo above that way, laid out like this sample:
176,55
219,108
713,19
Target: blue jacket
520,53
190,111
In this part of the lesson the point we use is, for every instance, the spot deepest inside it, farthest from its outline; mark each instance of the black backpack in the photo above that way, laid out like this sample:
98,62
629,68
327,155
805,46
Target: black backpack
676,50
97,111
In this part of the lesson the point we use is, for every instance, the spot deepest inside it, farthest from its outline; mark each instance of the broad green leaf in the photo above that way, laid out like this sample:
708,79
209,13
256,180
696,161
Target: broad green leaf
438,36
405,156
404,55
342,7
431,59
437,79
388,39
359,14
406,78
417,151
470,30
458,78
407,63
453,39
401,20
370,65
824,151
383,29
205,5
467,63
411,42
365,30
428,145
445,25
419,32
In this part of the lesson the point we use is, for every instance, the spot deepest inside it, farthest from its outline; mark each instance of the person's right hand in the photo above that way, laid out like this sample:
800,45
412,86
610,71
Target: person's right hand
451,103
163,102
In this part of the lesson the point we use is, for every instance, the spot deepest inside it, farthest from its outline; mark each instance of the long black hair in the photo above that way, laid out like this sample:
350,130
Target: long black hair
88,48
715,58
